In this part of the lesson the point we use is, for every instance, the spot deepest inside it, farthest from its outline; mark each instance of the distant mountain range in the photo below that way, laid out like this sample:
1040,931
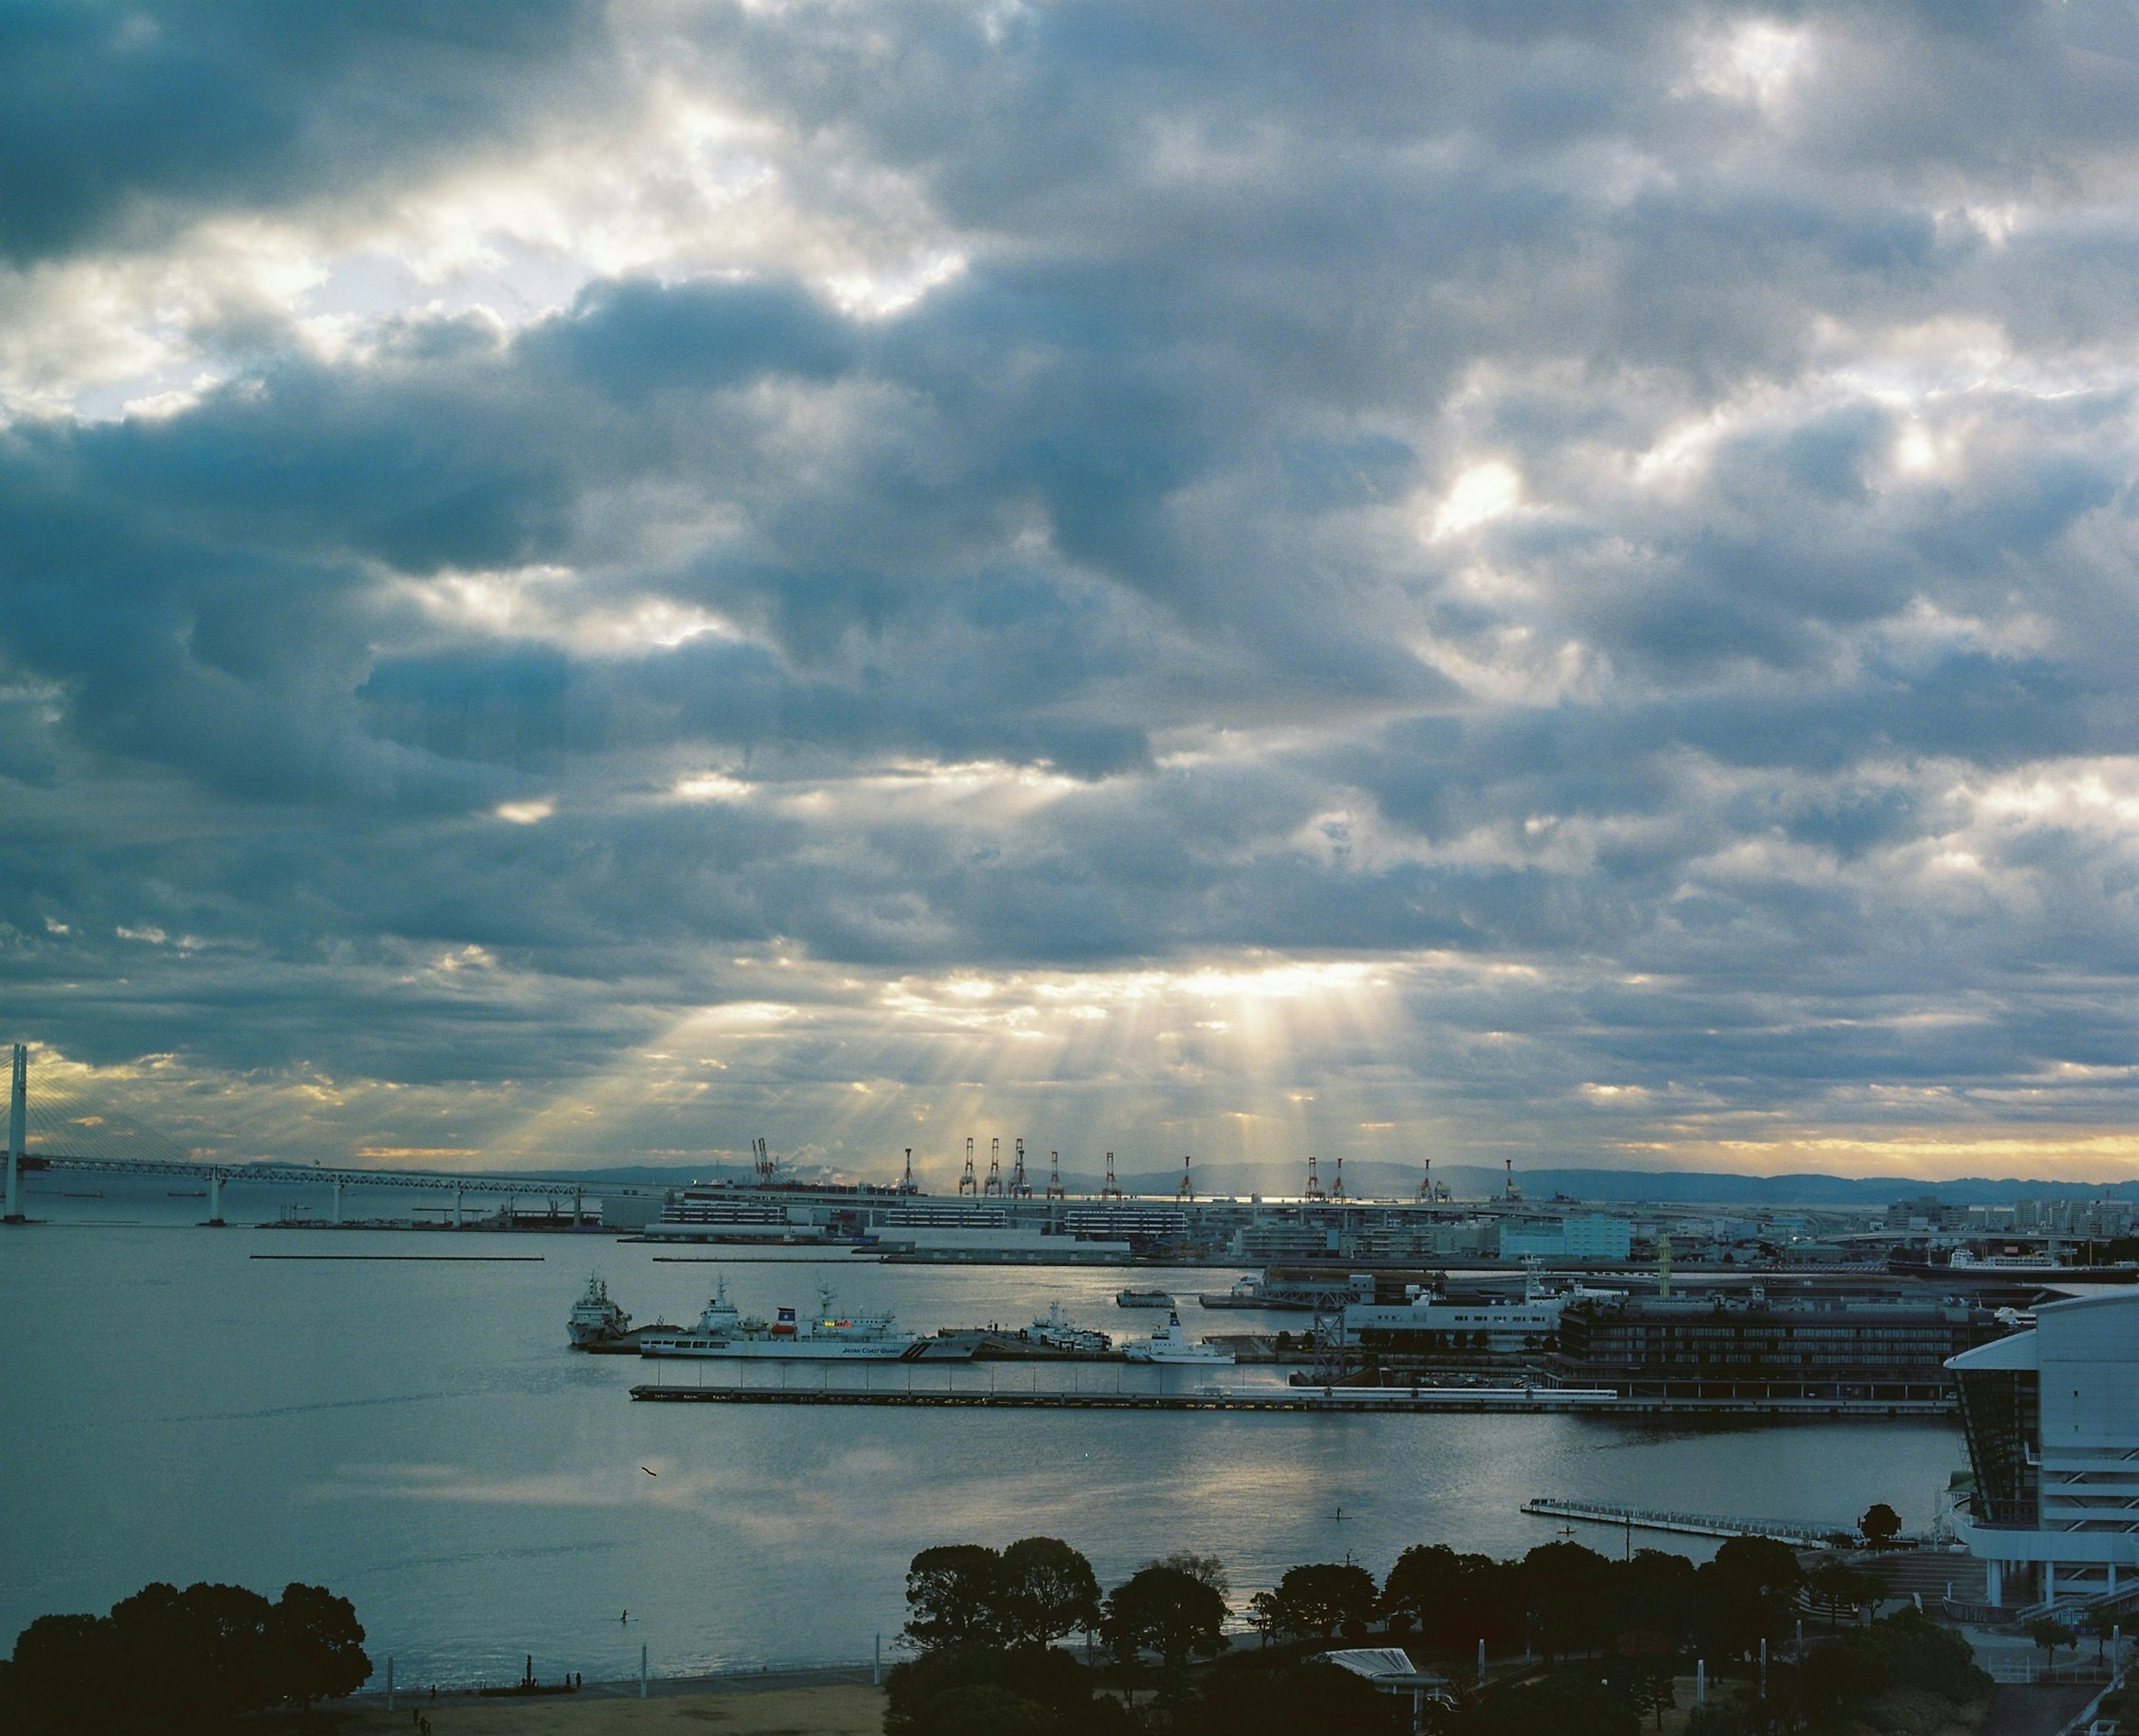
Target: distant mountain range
1472,1181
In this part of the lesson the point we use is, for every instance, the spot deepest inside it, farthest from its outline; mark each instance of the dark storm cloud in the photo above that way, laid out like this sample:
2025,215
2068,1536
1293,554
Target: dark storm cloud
1801,334
121,121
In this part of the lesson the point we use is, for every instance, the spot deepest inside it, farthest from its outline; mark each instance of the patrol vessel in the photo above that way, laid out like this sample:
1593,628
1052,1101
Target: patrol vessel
723,1330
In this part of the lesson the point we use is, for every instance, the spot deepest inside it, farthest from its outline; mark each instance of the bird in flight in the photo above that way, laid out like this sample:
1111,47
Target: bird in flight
649,1470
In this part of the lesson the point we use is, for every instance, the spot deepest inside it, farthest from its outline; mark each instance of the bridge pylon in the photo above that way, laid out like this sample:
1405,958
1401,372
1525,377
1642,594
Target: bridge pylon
19,1122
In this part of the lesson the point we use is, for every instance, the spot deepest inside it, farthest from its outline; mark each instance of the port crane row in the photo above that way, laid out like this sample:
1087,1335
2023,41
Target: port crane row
763,1165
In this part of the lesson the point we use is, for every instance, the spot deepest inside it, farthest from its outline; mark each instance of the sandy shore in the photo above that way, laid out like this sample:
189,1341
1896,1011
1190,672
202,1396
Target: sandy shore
836,1708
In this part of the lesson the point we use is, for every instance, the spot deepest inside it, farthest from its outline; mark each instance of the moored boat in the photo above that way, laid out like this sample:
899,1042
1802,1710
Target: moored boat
1143,1299
1059,1333
826,1337
594,1318
1171,1344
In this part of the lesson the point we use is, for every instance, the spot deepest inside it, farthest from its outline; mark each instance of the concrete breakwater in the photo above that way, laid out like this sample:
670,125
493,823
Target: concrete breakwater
1336,1399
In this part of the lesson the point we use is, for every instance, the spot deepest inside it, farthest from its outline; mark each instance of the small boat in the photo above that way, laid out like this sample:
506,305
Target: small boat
1246,1292
1143,1299
1059,1333
595,1319
1170,1344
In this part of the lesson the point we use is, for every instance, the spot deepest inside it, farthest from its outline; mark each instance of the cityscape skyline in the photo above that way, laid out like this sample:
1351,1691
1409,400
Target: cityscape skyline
608,581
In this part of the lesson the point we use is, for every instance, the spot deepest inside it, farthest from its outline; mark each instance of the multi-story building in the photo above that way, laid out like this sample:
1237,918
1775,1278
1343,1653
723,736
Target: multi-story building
2052,1416
1586,1238
1747,1346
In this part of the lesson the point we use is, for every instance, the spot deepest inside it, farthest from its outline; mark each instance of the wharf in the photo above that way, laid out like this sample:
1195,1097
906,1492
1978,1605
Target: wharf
1344,1401
1688,1524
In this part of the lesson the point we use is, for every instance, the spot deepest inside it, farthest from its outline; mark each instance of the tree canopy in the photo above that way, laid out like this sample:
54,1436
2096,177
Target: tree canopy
1166,1610
1880,1525
1046,1590
186,1662
1325,1598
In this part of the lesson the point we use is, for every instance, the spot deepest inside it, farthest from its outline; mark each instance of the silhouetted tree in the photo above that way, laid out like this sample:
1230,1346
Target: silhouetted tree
1880,1525
1565,1583
1836,1586
2050,1634
64,1677
183,1662
315,1646
1323,1597
1559,1706
1313,1698
1166,1610
1746,1594
1045,1589
1456,1600
986,1691
200,1656
1208,1568
1654,1594
952,1597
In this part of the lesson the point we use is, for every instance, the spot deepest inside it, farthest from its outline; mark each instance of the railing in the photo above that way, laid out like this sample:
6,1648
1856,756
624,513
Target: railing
2025,1670
1714,1525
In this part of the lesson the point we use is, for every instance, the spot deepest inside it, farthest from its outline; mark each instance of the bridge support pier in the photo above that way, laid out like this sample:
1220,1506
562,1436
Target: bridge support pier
457,1208
576,1203
334,1211
215,1197
18,1106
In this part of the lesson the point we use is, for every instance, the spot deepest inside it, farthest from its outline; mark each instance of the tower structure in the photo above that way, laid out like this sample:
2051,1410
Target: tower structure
993,1187
1511,1192
1314,1181
1186,1192
1110,1189
967,1187
18,1118
1426,1184
1054,1190
906,1181
1019,1188
1337,1187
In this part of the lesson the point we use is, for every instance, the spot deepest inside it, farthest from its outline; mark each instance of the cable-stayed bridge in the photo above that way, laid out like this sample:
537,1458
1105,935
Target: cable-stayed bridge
70,1132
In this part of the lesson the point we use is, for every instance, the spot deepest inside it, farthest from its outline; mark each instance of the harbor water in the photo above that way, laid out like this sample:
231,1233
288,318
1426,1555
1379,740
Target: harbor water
415,1435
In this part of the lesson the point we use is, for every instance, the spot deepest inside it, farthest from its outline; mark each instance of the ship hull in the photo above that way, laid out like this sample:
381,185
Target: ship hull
793,1350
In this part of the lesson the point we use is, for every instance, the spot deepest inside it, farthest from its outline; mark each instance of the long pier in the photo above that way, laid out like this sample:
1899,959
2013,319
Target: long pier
1324,1400
1687,1524
1343,1398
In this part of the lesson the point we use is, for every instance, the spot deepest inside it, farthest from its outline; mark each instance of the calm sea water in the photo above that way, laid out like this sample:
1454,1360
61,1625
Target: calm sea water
417,1437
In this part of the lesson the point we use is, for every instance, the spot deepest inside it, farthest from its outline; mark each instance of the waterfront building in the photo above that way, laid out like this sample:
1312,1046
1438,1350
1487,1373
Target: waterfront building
1434,1327
1586,1238
2052,1416
1749,1346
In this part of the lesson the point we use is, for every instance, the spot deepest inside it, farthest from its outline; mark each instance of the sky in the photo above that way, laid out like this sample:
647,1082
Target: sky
583,584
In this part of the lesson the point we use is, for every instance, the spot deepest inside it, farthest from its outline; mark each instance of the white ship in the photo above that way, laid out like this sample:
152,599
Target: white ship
595,1319
720,1324
1171,1344
1056,1330
827,1337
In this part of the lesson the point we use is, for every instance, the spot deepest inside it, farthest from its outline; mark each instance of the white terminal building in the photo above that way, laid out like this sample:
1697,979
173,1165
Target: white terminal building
2053,1422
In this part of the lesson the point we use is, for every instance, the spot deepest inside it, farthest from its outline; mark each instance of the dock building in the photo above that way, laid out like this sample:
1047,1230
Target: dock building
1748,1345
2052,1417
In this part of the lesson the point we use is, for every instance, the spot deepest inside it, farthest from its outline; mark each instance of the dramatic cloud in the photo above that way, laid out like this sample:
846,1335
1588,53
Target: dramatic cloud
1490,577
